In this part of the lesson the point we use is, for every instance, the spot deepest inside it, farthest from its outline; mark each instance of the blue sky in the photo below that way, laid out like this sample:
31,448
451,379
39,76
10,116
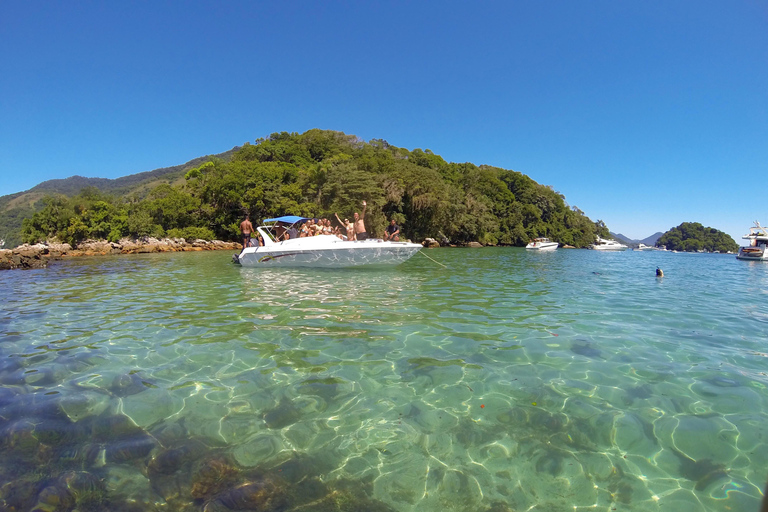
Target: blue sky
643,114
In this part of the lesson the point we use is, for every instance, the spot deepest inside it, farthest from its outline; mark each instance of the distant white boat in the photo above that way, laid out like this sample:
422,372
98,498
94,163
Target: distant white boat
327,251
603,244
643,247
542,244
758,245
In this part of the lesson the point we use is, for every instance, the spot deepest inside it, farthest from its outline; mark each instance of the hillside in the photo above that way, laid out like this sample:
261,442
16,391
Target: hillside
15,207
319,173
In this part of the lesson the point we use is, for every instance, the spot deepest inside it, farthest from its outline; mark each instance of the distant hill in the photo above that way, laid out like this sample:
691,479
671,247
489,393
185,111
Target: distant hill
15,207
694,237
651,240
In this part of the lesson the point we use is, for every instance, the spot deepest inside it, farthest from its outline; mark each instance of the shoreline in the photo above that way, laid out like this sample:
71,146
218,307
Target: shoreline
39,255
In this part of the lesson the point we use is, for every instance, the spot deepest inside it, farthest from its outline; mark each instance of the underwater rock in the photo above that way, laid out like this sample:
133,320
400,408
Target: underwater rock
638,393
61,432
587,350
21,493
128,384
19,435
169,461
552,460
9,364
301,467
327,389
82,455
262,496
285,414
703,471
85,488
84,405
212,477
136,447
54,498
108,427
43,377
498,506
39,406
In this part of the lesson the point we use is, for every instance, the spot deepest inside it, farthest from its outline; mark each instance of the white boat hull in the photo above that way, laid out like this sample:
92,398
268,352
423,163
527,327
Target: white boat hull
542,244
542,247
608,248
327,251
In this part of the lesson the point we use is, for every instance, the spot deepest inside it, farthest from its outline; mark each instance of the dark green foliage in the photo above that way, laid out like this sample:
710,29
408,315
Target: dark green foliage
692,237
316,174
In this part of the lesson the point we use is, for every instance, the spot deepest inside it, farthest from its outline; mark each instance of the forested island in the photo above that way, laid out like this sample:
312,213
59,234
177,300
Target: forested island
694,237
316,174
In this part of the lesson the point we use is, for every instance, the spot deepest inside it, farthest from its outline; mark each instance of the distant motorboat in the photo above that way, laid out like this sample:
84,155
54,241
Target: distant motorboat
542,244
643,247
323,251
603,244
758,245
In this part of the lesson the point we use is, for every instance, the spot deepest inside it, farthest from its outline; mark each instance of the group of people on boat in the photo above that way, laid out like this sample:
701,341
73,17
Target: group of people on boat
346,230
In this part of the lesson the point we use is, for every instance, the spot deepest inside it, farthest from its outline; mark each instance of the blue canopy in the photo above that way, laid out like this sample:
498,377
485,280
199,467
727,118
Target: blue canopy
290,219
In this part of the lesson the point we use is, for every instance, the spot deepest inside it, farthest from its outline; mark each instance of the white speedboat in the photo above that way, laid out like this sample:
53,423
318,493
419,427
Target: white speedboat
643,247
324,251
542,244
758,244
603,244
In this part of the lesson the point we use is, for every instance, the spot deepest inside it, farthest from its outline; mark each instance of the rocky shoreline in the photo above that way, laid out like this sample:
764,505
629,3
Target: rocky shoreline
39,255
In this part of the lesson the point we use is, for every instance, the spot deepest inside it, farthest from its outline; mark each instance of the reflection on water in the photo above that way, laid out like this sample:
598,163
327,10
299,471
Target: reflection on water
510,380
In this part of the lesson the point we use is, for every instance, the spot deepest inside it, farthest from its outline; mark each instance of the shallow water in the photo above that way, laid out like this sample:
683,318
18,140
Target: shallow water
509,380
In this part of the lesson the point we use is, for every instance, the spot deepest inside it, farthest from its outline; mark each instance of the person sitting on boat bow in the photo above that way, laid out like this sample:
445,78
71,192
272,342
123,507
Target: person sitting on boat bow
393,232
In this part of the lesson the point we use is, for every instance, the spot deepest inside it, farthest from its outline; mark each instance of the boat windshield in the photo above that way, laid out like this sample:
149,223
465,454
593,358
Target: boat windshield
275,229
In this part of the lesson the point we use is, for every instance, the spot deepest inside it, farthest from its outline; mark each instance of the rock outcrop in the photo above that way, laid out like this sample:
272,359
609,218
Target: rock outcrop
38,255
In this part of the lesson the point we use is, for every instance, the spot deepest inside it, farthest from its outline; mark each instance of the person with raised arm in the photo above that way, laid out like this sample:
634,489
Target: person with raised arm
360,233
348,226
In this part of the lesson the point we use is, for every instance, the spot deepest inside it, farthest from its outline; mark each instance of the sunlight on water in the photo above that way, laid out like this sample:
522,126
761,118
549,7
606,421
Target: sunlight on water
511,380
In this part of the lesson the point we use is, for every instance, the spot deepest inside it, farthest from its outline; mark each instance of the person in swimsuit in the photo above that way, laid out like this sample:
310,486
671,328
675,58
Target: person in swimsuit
360,233
246,228
348,226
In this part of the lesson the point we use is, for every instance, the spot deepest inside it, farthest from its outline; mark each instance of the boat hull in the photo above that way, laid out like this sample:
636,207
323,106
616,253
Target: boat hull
339,255
541,247
753,253
608,248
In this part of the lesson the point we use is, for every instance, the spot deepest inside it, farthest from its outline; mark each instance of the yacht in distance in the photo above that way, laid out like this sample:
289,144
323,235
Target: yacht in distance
758,240
603,244
542,244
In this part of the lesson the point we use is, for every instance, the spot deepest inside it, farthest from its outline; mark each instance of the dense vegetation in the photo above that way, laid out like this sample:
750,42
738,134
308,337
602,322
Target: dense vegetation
692,236
316,174
14,208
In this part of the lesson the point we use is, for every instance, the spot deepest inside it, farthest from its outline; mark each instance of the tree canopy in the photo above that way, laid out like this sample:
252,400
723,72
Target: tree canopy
319,173
693,237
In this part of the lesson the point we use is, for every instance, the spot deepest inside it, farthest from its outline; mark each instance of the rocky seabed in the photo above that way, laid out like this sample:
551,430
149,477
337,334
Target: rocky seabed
38,255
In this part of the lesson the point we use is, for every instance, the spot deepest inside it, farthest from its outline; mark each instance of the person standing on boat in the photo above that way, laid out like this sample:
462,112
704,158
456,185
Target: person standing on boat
246,228
360,233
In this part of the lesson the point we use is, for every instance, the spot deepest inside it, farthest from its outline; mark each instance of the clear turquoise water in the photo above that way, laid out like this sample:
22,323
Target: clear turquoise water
510,380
